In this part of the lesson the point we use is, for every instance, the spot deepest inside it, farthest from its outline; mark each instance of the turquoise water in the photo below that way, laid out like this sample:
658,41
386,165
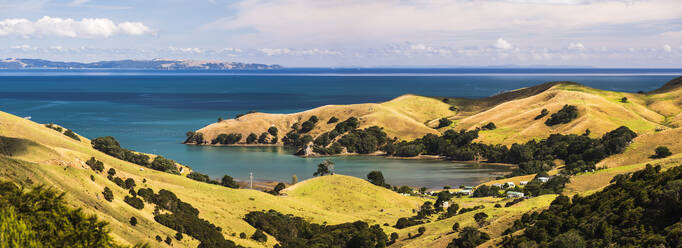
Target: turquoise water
150,111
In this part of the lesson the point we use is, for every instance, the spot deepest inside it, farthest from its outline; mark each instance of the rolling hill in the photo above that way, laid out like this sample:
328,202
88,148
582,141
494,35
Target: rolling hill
409,116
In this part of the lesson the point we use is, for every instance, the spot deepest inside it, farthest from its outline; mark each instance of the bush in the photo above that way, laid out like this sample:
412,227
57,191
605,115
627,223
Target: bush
134,202
563,116
95,164
324,168
40,217
251,138
489,126
129,183
229,182
444,122
662,152
71,134
198,177
108,194
262,139
111,172
421,230
376,178
178,236
163,164
469,237
624,100
333,119
168,240
242,235
196,138
133,221
307,126
227,139
110,146
273,131
543,113
259,236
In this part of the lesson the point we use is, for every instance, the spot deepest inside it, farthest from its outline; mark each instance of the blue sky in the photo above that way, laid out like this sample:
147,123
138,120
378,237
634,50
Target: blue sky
335,33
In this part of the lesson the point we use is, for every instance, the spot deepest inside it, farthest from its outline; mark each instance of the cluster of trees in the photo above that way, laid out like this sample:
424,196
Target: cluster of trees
71,134
469,237
643,209
565,115
293,231
427,209
489,126
364,141
110,146
444,122
40,218
324,168
299,139
226,181
95,164
227,139
194,138
184,218
580,152
53,127
661,152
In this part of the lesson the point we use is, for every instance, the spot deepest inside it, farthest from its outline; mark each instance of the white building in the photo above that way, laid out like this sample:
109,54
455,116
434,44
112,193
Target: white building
446,204
543,179
497,185
514,194
510,184
465,192
522,183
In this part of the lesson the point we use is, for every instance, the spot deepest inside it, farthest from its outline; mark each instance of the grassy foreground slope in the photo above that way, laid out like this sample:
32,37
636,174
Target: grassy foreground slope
408,117
40,155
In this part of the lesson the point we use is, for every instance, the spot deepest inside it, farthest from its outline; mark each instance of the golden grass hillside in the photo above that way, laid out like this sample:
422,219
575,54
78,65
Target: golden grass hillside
402,117
52,159
409,116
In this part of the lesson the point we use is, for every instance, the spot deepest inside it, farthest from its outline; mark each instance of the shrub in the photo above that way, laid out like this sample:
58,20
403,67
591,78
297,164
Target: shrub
108,194
543,113
229,182
489,126
376,178
134,202
163,164
324,168
294,179
273,131
178,236
313,119
71,134
455,227
624,100
444,122
259,236
168,240
95,164
192,137
563,116
198,177
394,237
307,126
40,217
421,230
662,152
133,221
262,139
333,119
53,127
111,172
110,146
227,139
158,238
129,183
469,237
251,138
242,235
480,218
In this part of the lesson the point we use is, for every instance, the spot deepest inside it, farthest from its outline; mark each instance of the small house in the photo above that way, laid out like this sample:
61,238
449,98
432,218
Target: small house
522,183
543,179
446,204
465,192
514,194
497,185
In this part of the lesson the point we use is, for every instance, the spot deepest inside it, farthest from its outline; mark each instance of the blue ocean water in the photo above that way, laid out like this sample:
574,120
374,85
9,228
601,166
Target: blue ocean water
150,111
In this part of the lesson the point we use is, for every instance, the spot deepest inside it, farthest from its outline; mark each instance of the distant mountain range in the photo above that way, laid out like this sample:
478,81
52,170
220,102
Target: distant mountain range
159,64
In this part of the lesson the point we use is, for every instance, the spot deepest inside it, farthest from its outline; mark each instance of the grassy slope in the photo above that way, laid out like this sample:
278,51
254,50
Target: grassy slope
409,116
58,161
406,115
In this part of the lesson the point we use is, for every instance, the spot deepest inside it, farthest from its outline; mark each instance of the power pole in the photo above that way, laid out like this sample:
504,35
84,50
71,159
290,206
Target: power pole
251,180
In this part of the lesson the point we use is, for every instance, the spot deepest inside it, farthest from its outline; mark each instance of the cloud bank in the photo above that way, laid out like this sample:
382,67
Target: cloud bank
85,28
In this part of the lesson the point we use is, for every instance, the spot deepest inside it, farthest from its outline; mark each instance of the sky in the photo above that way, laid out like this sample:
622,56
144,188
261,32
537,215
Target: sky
350,33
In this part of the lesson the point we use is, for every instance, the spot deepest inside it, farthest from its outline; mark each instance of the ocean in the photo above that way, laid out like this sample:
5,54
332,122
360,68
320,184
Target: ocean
150,111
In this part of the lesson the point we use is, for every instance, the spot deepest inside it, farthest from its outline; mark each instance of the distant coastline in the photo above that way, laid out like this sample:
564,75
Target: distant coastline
155,64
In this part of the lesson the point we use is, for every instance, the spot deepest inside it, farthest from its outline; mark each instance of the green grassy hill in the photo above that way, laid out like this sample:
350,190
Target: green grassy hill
38,155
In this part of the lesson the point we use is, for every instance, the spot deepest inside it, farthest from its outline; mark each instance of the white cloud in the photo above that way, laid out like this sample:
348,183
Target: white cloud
400,20
576,46
78,2
306,52
24,47
667,48
185,49
502,44
85,28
